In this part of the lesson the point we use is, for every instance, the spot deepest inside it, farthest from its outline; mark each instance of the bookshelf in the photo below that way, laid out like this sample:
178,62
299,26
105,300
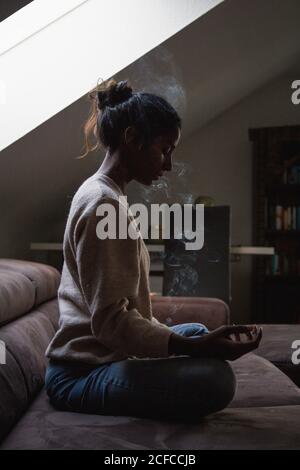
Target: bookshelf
276,222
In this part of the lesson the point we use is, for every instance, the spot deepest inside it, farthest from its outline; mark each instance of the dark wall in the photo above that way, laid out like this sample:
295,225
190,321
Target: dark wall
8,7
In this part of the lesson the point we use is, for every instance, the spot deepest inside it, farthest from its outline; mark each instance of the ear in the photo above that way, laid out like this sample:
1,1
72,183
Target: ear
131,137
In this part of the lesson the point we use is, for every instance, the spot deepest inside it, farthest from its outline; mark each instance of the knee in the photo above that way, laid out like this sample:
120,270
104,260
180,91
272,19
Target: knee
223,385
213,389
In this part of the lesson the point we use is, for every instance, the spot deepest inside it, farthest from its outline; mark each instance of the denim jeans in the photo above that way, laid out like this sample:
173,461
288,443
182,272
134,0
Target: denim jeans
175,388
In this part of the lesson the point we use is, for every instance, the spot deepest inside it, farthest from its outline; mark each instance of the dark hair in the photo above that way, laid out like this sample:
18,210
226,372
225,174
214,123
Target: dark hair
114,107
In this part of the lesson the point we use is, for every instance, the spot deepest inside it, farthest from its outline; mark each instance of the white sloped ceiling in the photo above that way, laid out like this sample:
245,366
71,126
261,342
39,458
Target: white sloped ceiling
48,51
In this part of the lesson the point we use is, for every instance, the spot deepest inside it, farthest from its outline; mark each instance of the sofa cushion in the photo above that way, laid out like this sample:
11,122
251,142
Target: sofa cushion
13,393
42,427
44,278
51,310
17,295
173,310
267,428
22,377
276,346
27,339
260,383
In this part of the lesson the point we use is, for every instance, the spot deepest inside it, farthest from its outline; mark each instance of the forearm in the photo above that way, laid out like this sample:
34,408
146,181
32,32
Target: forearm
181,345
127,332
218,343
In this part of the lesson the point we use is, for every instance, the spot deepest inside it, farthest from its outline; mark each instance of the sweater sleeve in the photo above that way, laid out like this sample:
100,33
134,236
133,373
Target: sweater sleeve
109,275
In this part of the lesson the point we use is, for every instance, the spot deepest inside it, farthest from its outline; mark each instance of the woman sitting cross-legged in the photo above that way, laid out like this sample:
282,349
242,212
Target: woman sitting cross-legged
110,356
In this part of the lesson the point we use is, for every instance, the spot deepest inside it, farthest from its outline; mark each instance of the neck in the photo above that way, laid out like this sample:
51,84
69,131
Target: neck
113,168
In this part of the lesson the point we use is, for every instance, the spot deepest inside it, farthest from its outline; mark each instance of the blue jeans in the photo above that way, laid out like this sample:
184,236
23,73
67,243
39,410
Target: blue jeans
175,388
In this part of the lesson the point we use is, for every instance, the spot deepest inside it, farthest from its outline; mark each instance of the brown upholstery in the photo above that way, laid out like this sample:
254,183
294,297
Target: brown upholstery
29,316
260,383
262,427
17,295
27,341
22,377
174,310
13,393
276,346
45,279
264,414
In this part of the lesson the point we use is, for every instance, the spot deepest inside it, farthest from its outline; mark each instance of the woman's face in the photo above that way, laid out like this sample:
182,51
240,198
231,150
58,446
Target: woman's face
150,164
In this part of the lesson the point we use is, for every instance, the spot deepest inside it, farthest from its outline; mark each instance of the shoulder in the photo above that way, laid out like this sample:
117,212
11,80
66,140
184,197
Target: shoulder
108,218
91,192
92,202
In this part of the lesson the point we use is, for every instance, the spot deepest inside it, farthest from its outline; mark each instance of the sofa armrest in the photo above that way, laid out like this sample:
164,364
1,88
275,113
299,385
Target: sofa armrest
174,310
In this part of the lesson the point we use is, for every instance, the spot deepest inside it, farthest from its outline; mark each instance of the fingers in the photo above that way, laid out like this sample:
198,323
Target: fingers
254,342
237,336
234,332
259,335
242,348
236,329
252,331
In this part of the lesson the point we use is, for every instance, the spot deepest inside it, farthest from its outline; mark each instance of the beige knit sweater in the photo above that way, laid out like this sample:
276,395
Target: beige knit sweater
104,299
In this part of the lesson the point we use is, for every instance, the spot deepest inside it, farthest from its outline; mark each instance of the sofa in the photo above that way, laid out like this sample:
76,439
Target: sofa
264,414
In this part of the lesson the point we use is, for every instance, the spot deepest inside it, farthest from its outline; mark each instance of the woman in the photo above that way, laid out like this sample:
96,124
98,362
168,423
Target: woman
109,355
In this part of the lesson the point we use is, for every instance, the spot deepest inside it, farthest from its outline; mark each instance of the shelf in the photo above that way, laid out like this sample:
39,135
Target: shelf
252,250
276,150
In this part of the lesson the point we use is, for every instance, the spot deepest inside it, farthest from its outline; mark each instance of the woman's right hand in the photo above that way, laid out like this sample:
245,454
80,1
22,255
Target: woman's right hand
226,343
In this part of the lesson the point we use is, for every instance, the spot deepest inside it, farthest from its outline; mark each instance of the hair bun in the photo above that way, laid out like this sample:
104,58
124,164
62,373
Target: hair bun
113,94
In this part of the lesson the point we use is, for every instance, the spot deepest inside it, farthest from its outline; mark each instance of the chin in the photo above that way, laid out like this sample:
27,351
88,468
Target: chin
145,182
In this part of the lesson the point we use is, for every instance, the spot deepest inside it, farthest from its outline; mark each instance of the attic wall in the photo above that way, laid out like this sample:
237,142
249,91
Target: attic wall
39,175
220,157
